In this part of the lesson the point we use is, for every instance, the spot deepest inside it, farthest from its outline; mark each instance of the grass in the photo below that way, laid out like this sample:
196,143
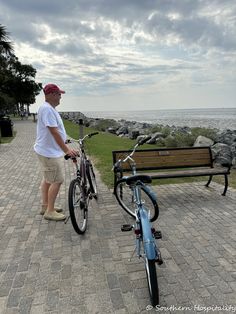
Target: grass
100,148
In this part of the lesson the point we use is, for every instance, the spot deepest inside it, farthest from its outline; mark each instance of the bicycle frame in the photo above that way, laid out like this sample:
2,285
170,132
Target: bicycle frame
143,225
86,186
142,222
81,168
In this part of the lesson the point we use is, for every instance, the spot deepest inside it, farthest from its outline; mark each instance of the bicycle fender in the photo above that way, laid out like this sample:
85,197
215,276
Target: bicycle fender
150,192
148,239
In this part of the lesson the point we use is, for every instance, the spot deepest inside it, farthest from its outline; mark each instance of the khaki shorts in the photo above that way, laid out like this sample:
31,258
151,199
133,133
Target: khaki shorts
52,169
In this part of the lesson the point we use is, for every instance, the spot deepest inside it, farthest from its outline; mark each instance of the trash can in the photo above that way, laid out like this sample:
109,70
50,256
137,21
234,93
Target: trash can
6,127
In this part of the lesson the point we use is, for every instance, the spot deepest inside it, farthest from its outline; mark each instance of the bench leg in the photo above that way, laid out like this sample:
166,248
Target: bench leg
226,185
209,181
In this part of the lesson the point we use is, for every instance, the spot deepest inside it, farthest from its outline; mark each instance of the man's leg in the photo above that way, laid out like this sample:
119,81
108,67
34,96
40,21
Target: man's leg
51,212
45,186
44,192
52,195
49,191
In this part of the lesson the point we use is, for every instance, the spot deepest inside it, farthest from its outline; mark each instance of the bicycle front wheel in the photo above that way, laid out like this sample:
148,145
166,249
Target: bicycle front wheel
92,180
150,267
126,198
77,207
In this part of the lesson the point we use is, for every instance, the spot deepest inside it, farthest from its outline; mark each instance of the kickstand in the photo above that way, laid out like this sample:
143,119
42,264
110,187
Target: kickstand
67,218
132,254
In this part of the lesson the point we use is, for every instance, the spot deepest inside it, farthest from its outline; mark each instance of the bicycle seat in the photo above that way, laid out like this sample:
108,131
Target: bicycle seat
138,177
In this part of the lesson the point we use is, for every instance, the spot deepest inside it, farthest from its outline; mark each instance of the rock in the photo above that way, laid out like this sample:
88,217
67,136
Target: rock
222,154
133,134
122,130
227,137
112,130
203,141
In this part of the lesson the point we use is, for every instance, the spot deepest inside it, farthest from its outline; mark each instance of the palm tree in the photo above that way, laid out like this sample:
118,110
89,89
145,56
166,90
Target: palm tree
6,46
6,53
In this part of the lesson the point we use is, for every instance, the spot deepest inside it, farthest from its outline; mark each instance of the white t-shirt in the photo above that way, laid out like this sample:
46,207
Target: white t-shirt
45,144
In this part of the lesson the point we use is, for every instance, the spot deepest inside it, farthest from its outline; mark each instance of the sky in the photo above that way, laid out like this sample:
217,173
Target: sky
128,54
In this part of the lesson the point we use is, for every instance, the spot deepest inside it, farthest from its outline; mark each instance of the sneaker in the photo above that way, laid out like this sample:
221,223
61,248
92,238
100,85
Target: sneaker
54,216
44,208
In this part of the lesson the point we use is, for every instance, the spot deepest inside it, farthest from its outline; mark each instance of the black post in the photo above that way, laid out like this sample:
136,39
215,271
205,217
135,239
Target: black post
81,129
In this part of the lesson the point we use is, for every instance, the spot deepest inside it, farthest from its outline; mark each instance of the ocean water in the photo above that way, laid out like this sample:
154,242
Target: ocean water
220,118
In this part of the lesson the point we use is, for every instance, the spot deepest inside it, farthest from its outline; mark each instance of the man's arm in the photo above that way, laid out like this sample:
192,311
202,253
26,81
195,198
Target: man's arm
60,142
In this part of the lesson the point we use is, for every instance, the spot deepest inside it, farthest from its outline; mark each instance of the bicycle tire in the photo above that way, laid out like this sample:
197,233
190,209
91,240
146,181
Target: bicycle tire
78,210
125,198
91,179
150,267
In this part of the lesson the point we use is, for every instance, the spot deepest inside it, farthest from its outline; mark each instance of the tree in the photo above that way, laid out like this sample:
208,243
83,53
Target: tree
17,81
22,85
6,50
6,47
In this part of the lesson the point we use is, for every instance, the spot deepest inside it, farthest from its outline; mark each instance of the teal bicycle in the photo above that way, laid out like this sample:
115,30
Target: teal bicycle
136,198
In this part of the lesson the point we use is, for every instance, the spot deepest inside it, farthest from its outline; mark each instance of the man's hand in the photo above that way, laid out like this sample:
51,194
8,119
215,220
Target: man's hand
72,152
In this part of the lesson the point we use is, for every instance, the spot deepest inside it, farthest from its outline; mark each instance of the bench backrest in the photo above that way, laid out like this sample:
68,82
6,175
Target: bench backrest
167,158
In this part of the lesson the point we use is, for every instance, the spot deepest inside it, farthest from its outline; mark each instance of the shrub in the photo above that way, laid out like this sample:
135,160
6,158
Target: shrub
158,128
104,124
210,133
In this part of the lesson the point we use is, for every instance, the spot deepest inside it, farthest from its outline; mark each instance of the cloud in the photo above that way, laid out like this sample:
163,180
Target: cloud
102,47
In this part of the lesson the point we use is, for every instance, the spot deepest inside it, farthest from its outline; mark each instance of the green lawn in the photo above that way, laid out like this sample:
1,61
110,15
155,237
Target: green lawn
100,148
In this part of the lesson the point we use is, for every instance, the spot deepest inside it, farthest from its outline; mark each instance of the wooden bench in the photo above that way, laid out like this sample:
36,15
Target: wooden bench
173,163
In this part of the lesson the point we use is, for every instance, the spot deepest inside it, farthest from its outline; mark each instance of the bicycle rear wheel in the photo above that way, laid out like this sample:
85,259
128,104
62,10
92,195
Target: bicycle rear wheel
77,207
126,198
91,179
151,274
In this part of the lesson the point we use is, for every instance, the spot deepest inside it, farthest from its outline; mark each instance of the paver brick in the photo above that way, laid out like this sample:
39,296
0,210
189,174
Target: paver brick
46,267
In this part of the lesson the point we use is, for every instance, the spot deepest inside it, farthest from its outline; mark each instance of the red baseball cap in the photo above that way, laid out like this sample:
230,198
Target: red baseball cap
52,88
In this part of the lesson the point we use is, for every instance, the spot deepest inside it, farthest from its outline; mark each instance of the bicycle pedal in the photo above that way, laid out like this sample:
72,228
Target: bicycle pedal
94,195
82,205
157,235
126,227
66,220
159,261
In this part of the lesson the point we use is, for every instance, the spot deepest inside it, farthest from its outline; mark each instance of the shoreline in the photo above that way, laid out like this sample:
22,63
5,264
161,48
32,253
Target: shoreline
211,121
207,117
223,143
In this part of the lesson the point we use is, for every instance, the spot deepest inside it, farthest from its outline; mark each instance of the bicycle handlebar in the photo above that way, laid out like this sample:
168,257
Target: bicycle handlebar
81,139
144,140
139,143
92,134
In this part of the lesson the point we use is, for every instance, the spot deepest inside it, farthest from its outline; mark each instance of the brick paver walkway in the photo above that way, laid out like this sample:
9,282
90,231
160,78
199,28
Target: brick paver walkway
45,267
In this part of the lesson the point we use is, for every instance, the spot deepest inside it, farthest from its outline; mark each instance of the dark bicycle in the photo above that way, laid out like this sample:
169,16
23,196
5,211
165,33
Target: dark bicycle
82,188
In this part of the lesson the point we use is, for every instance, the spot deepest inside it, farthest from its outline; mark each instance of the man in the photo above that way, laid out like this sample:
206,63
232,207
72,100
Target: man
50,147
